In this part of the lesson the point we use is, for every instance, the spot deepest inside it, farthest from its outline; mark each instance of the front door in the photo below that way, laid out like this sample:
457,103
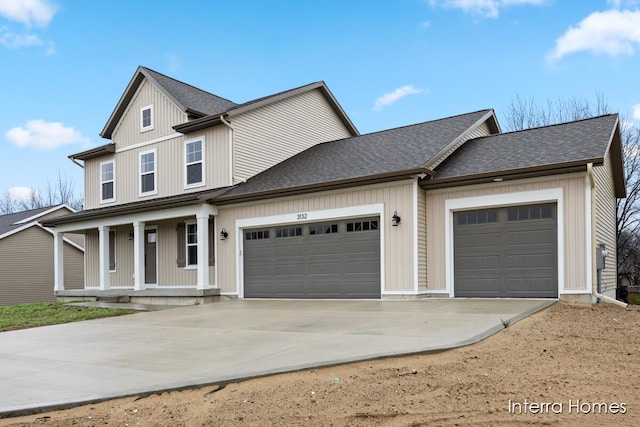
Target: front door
150,257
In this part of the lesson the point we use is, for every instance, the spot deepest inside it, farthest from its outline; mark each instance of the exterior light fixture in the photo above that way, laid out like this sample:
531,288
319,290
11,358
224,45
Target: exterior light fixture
131,235
395,219
224,234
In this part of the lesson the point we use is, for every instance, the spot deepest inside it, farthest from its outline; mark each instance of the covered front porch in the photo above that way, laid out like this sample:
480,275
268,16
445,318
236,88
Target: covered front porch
161,256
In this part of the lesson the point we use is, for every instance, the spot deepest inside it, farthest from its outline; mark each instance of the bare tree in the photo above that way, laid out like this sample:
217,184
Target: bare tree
524,113
61,191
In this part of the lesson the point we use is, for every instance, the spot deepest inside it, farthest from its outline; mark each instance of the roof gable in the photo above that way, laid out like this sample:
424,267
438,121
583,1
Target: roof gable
543,148
189,99
14,222
408,148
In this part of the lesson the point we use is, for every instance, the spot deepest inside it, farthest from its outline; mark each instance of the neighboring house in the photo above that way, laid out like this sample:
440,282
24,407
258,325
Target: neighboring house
282,198
26,257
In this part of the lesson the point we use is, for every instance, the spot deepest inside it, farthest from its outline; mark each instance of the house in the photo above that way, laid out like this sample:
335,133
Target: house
197,197
26,257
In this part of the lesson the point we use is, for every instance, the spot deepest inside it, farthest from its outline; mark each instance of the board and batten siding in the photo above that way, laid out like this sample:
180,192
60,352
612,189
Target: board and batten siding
26,267
165,115
169,274
605,217
398,241
574,193
170,169
268,135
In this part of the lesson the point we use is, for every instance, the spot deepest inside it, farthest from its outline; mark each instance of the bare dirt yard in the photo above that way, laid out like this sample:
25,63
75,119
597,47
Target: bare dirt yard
567,365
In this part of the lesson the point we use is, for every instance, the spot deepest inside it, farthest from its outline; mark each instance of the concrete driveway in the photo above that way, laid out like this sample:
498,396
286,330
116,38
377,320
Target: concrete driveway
61,366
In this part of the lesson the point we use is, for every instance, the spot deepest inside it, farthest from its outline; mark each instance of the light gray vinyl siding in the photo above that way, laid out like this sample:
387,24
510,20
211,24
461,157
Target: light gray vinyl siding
605,223
26,267
269,135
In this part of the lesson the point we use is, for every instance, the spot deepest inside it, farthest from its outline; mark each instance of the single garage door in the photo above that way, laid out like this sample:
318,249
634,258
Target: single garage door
506,252
331,259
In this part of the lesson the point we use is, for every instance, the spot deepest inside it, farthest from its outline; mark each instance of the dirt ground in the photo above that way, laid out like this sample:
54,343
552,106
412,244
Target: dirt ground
567,365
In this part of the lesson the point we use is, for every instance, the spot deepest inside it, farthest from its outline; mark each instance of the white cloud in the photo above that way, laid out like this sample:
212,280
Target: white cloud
43,135
391,97
487,8
636,112
614,32
28,12
19,193
16,41
617,4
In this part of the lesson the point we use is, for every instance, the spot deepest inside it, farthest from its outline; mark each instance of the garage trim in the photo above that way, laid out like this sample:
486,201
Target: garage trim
500,200
303,217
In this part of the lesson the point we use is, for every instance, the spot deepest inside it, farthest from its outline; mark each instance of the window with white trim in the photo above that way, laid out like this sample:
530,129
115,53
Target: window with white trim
194,163
192,244
107,181
146,118
147,173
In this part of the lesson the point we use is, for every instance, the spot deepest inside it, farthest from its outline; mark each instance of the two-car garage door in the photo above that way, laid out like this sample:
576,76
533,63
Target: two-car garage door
506,252
330,259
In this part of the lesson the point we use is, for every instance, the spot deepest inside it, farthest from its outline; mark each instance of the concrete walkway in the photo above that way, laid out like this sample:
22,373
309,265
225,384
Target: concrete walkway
56,367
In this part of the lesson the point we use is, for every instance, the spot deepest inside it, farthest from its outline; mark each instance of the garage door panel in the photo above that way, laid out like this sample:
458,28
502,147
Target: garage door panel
518,258
322,260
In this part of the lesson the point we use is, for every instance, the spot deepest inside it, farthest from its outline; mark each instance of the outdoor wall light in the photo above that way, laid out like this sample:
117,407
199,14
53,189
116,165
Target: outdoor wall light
224,234
131,235
395,219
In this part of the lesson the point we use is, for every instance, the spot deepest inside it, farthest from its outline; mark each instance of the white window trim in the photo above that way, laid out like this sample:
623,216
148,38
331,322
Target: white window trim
188,266
113,199
184,153
142,110
155,173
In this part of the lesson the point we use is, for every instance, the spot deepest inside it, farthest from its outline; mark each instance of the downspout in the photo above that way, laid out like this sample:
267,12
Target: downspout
233,150
594,290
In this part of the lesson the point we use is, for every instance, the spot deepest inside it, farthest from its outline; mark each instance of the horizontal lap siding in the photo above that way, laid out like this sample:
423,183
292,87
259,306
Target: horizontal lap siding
398,248
269,135
574,191
605,220
26,267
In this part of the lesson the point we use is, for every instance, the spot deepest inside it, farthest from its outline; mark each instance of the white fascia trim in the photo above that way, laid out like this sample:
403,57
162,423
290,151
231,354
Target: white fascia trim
47,212
306,217
149,142
152,216
498,200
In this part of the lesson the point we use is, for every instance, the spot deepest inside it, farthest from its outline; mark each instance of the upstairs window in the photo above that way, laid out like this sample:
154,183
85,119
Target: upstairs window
107,181
146,118
194,163
147,173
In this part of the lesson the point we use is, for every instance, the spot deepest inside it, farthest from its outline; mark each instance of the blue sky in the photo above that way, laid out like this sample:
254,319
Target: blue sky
65,63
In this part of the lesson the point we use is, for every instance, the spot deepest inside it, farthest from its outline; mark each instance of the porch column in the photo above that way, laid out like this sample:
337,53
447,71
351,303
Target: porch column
58,261
138,256
203,249
103,235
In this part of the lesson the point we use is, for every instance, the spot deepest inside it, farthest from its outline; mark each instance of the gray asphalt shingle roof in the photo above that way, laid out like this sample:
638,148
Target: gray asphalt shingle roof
577,141
394,150
8,221
191,97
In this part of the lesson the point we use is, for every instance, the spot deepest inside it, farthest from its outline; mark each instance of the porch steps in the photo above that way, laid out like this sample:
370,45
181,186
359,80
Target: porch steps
113,298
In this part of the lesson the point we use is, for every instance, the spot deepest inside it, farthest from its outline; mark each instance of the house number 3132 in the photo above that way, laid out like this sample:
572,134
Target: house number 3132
302,216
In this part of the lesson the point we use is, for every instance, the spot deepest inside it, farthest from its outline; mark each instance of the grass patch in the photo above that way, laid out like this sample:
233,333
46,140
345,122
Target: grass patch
24,316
